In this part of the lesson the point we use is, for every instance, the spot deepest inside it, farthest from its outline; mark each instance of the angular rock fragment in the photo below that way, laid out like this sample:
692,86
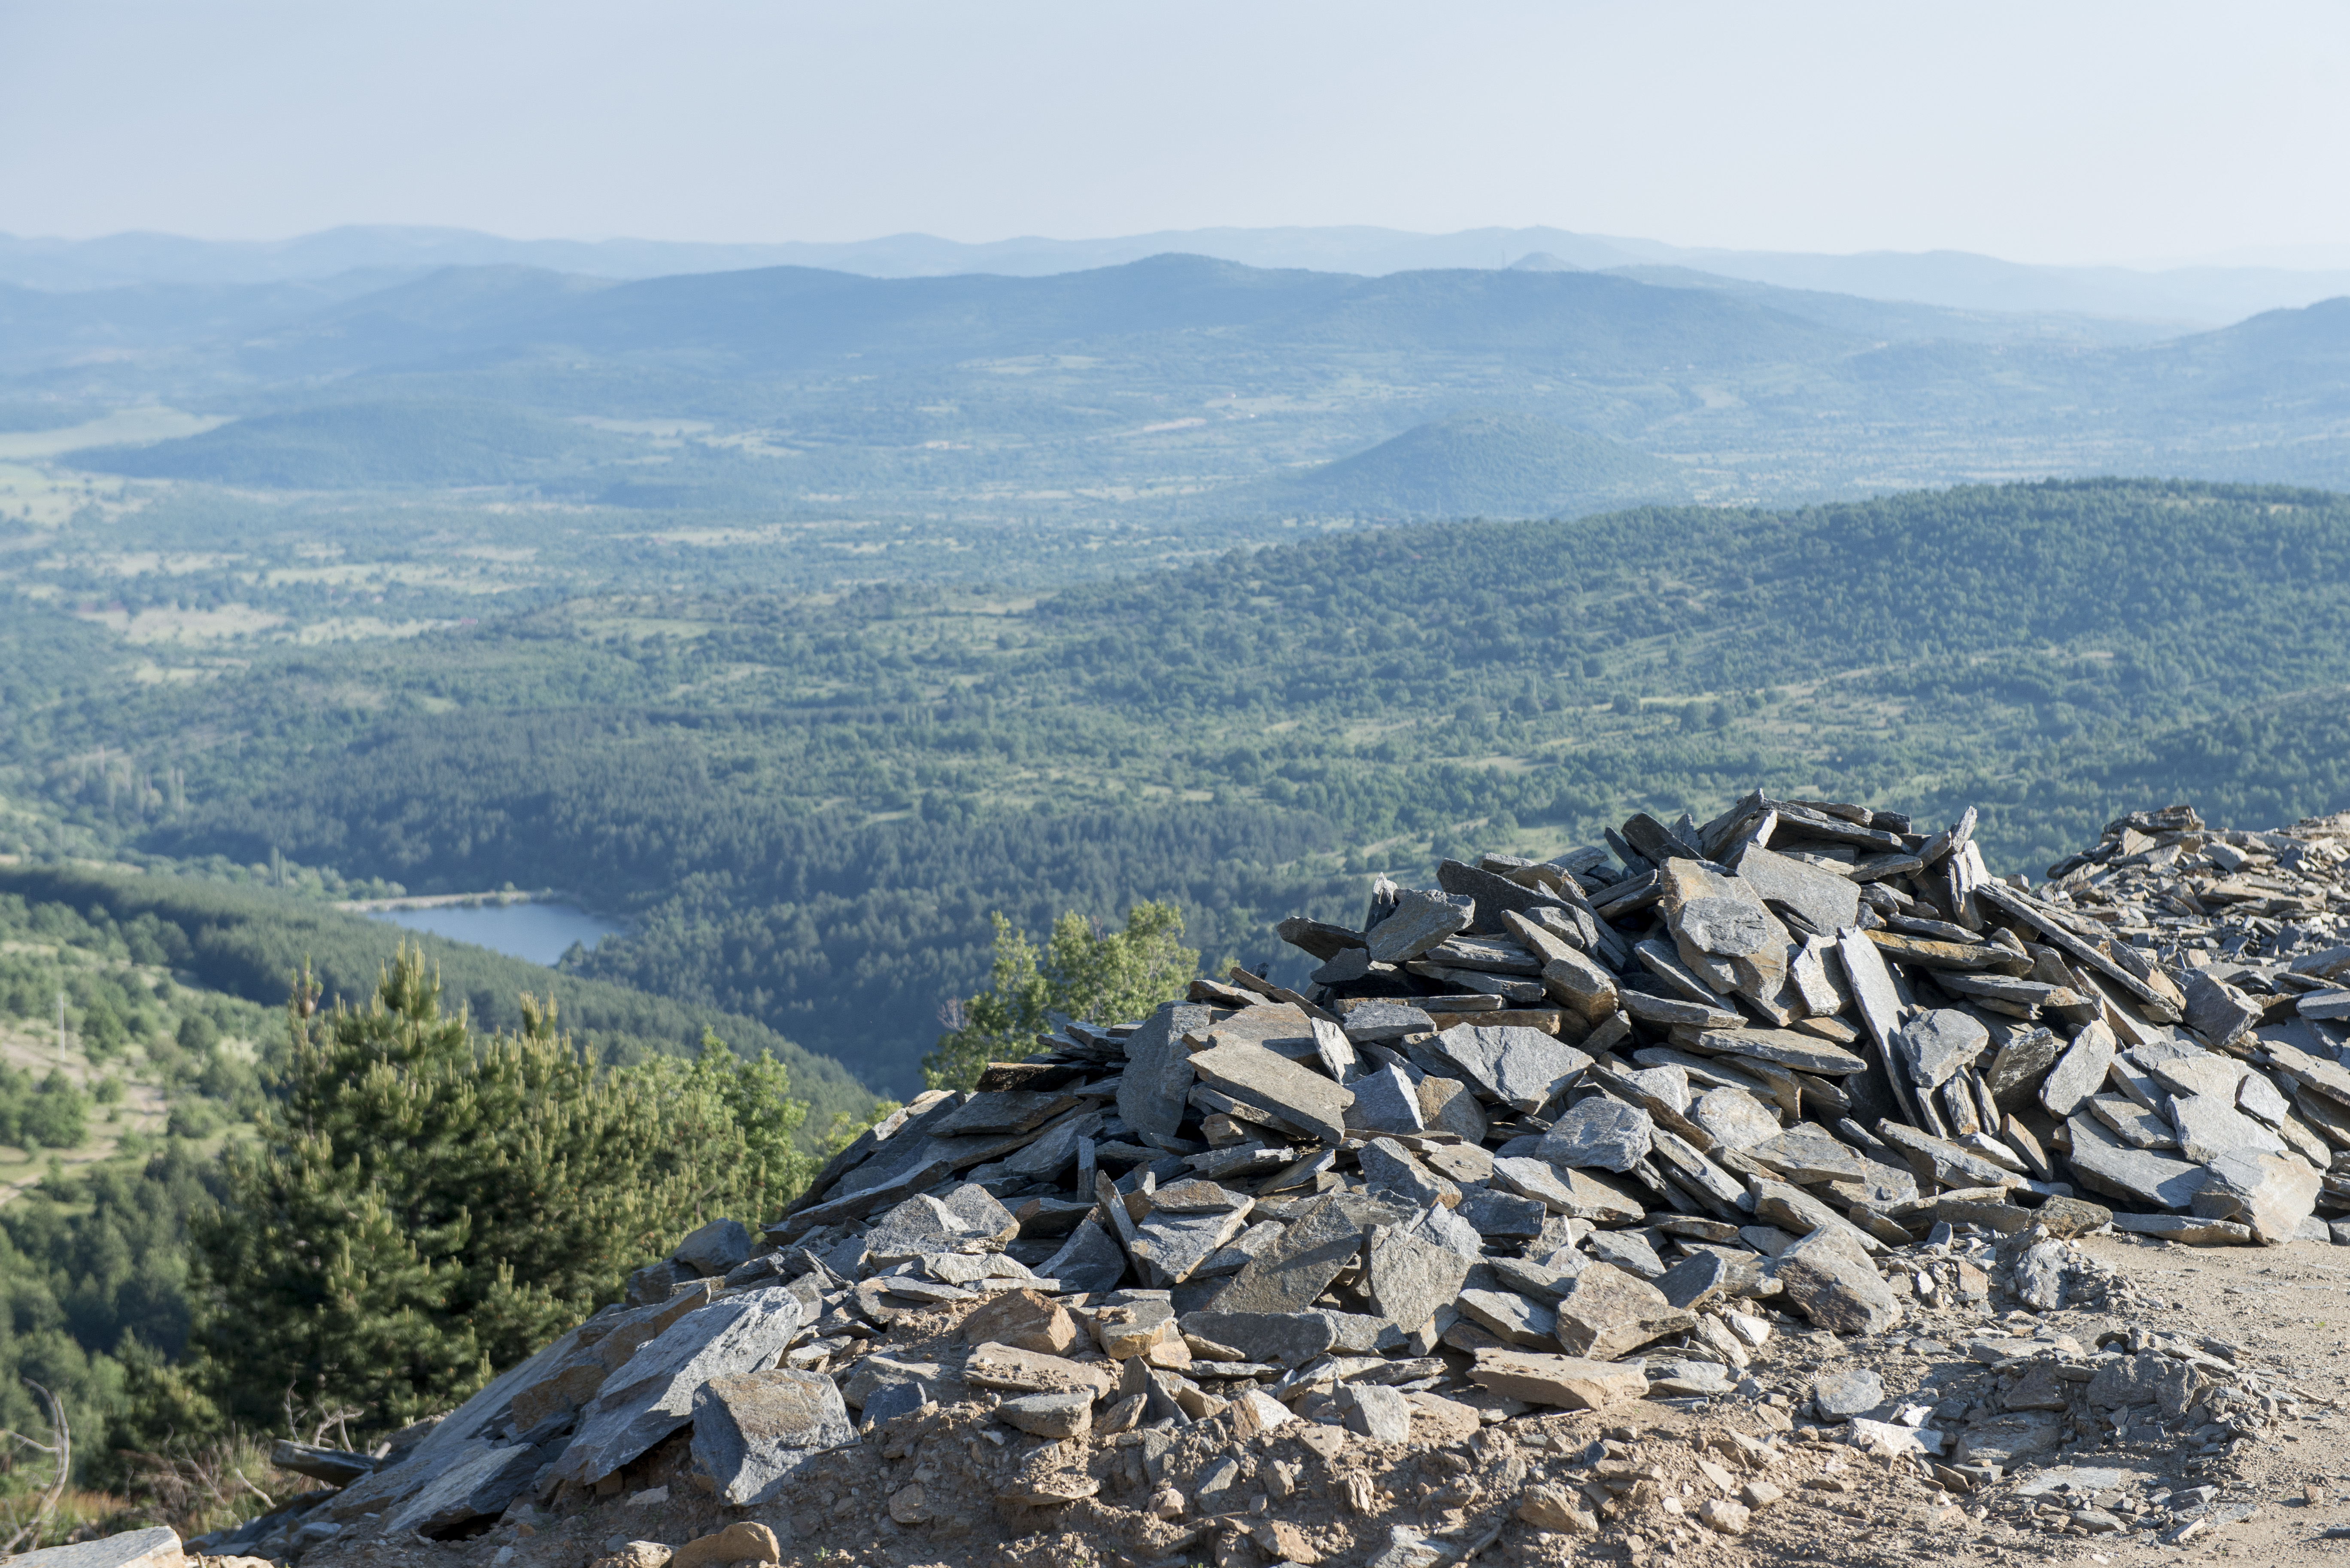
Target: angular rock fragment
1937,1043
1521,1068
651,1395
2272,1193
1257,1076
1605,1313
1385,1102
1418,922
1598,1134
1151,1092
1407,1280
2138,1178
1570,1382
754,1431
1836,1286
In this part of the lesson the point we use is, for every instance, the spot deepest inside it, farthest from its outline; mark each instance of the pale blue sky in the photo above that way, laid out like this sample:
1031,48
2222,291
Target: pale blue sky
2050,134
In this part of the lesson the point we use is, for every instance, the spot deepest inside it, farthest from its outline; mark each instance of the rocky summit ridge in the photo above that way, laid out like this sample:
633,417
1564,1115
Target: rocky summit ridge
1608,1201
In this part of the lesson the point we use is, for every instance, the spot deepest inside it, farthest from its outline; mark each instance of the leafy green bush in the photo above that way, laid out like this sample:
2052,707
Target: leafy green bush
51,1113
1088,974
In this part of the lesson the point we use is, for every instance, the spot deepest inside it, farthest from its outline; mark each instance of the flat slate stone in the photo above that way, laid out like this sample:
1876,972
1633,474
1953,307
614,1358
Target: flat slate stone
1386,1101
2216,1010
2186,1230
2272,1193
1493,895
2258,1095
752,1431
1827,901
1605,1313
1004,1111
1152,1093
1441,1227
1940,1041
1407,1280
1570,1382
1172,1243
1806,1153
1734,1118
1573,1194
1600,1134
157,1547
1324,1238
1380,1022
2136,1177
482,1481
1418,921
652,1395
1512,1318
1707,1276
1784,1048
1841,1393
1628,1250
1836,1286
1090,1260
1500,1214
2132,1123
1290,1339
2184,1072
2210,1127
1259,1077
2080,1072
1056,1416
1031,1372
1519,1067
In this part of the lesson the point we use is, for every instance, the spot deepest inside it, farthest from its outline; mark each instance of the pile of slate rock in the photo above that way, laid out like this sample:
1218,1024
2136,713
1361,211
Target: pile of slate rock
1550,1135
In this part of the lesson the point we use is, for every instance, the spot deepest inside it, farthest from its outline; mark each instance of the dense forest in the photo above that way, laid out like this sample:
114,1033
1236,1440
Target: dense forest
809,807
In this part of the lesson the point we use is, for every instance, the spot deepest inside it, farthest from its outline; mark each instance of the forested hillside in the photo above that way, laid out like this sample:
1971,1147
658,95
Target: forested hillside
251,944
809,807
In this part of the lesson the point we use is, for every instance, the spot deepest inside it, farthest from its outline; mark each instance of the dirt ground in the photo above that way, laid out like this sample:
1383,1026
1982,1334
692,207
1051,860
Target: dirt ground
927,1488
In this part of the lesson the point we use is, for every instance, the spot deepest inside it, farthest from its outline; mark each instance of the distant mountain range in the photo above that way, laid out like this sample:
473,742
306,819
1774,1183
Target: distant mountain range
2185,296
1176,388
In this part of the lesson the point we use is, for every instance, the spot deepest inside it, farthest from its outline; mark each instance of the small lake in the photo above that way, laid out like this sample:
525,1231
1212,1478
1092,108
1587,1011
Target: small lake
539,932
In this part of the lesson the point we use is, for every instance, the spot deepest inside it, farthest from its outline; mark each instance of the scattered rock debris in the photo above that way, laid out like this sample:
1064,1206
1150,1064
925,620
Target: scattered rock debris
1726,1184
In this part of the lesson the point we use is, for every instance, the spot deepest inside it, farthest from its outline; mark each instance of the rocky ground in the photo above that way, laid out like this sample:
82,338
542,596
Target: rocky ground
1780,1188
1628,1482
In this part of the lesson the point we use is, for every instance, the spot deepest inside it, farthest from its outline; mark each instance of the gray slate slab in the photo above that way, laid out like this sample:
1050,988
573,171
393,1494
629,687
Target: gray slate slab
1827,901
752,1431
1158,1076
1418,922
1512,1064
652,1395
1599,1134
1936,1043
1260,1077
2137,1177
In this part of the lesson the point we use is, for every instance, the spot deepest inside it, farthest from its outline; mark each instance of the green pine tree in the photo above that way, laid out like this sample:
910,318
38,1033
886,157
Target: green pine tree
424,1206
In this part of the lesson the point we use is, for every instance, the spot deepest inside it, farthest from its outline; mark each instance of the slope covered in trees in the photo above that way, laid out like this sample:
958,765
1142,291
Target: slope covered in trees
809,808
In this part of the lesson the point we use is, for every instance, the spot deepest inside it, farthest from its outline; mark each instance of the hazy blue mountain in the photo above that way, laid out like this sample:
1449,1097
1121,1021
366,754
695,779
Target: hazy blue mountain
368,445
1956,279
41,328
1902,321
790,320
1487,463
1177,386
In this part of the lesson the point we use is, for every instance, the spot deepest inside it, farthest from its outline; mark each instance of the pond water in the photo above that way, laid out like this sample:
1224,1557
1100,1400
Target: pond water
539,932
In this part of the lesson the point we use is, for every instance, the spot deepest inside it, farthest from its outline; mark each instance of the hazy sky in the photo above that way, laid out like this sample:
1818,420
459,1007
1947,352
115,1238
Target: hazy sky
2041,132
